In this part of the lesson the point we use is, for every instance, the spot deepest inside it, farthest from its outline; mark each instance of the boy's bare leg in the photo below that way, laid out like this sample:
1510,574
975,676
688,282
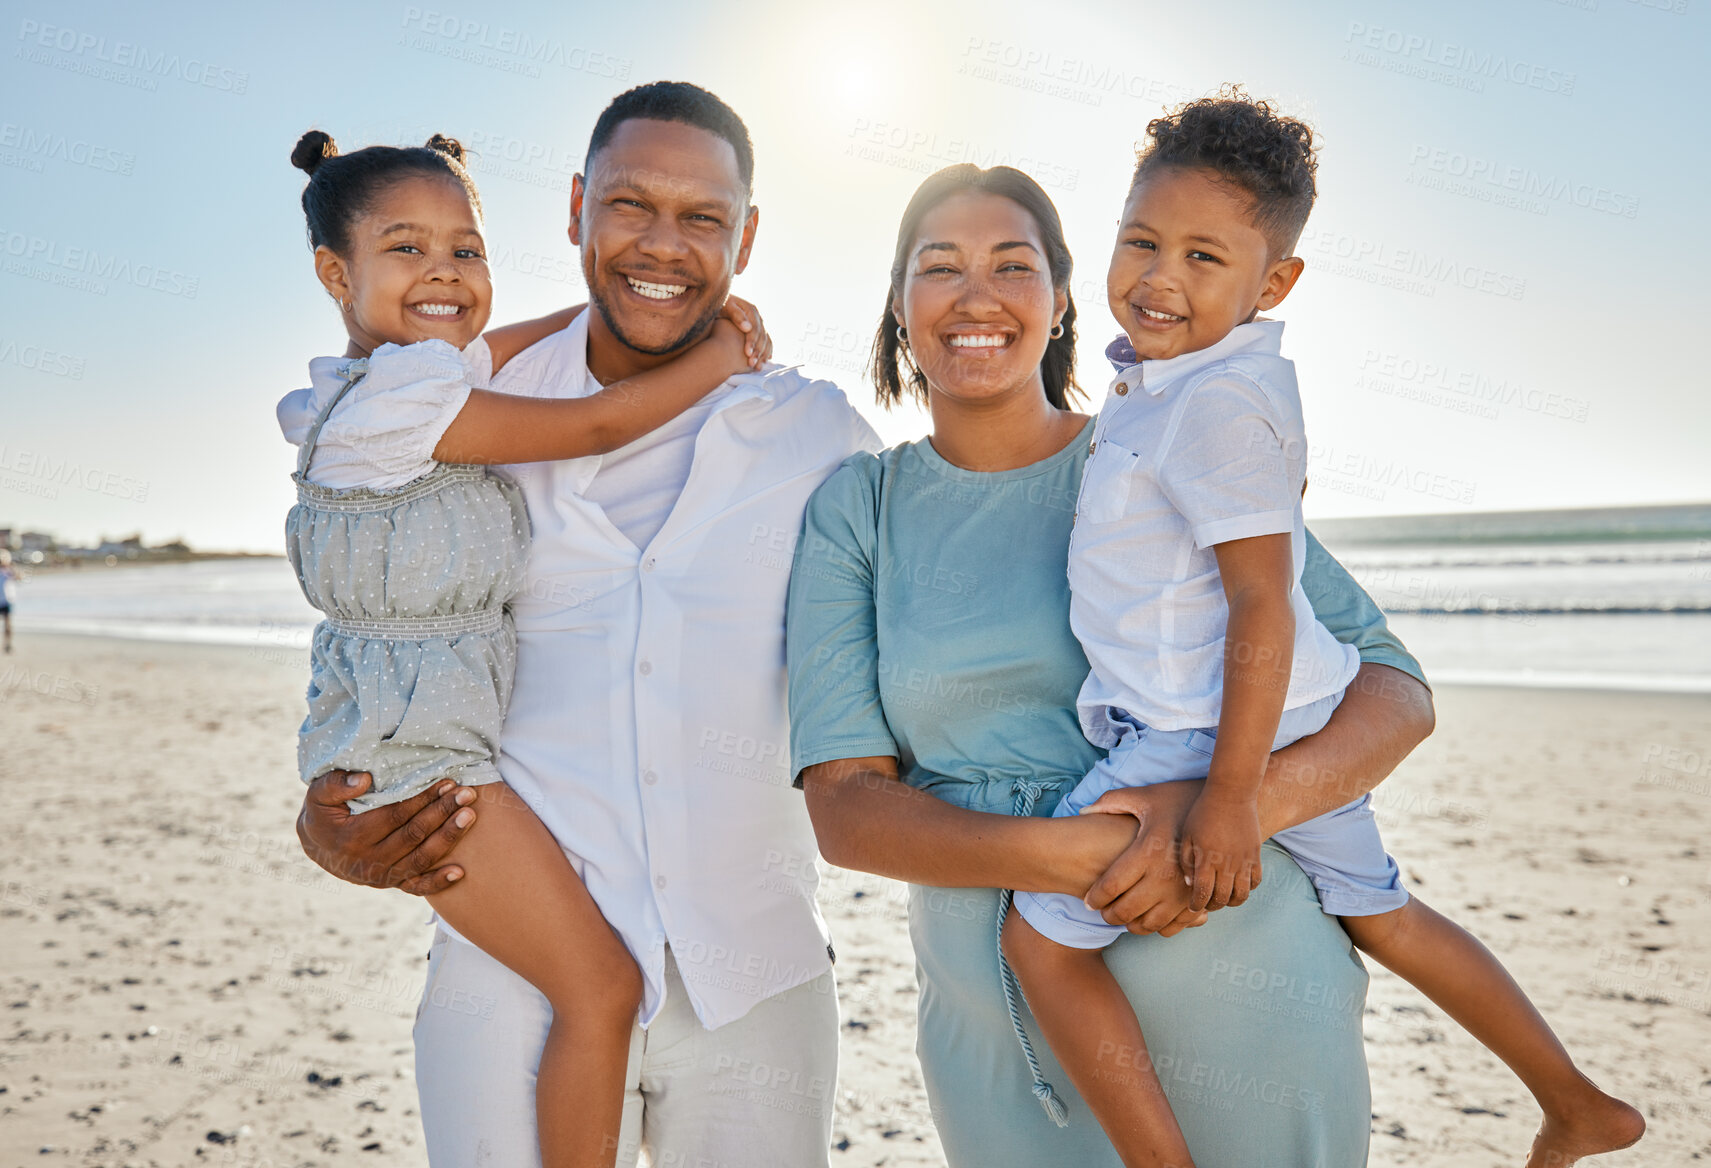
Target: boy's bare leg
523,904
1093,1031
1450,966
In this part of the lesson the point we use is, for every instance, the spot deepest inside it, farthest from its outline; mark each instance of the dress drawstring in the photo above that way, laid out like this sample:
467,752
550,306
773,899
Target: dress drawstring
353,371
1027,794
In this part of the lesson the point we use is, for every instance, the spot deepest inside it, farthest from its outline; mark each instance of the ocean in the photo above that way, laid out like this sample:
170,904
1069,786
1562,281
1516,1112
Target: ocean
1607,598
1583,605
1608,616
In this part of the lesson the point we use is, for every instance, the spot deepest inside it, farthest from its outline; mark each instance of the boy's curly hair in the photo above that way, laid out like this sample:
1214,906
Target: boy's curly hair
1248,143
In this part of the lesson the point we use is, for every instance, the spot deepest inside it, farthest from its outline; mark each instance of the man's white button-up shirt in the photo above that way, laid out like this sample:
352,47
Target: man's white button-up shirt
648,726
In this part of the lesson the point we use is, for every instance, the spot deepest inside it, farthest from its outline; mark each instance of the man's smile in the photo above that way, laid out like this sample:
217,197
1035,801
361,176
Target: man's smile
651,290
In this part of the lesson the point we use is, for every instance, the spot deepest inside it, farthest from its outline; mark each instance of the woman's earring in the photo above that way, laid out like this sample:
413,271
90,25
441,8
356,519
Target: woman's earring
903,336
1057,330
345,307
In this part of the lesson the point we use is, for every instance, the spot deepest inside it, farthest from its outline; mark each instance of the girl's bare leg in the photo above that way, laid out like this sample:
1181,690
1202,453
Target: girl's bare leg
1450,966
522,903
1092,1029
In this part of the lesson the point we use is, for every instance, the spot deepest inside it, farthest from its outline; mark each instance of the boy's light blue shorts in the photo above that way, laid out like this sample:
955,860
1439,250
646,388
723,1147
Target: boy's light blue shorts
1340,851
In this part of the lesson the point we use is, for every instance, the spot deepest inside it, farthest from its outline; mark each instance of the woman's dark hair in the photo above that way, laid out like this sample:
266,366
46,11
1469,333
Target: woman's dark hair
891,367
342,187
1247,143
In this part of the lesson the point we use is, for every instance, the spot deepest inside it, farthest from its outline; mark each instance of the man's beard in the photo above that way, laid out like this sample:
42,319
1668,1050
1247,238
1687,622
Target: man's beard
693,333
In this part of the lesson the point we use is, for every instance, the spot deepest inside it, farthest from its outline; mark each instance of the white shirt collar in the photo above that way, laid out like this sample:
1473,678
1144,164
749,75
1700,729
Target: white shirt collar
573,341
1259,335
562,358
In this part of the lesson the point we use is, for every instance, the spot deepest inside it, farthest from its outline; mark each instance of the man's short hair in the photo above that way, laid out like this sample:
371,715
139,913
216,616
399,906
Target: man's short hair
676,101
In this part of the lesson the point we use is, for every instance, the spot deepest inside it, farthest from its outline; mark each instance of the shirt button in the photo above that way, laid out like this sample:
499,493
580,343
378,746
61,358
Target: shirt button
644,669
649,565
1122,388
649,778
659,881
1092,446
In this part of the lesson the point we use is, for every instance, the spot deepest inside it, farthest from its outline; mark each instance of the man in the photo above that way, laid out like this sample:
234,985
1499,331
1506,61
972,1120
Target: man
648,724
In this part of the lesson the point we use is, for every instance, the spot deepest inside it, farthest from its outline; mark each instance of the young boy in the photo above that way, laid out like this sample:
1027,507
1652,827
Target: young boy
1185,570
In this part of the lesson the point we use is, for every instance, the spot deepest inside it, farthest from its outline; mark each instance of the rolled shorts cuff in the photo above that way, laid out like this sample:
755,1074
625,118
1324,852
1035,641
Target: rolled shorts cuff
1066,920
1350,903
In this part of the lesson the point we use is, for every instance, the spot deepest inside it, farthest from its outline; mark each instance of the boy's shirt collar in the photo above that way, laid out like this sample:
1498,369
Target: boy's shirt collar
1260,335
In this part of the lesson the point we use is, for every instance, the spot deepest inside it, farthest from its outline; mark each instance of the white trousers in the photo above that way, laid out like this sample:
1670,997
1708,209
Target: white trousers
756,1093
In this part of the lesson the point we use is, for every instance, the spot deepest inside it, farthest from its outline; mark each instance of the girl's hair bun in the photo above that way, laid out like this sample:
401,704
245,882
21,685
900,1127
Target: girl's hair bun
312,149
450,147
343,187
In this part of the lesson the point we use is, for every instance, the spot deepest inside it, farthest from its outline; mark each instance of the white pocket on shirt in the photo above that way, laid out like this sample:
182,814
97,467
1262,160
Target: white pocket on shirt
1105,483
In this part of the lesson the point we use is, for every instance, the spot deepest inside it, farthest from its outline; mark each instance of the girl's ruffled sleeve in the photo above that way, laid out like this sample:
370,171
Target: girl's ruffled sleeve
384,432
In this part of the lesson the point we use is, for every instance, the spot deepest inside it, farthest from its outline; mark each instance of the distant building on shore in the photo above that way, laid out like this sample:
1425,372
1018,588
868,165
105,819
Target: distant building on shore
42,549
30,546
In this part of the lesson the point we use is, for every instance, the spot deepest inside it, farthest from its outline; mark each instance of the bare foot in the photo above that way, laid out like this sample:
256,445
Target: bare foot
1596,1123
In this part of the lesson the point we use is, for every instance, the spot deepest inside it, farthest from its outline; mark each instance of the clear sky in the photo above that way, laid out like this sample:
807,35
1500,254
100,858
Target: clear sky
1504,268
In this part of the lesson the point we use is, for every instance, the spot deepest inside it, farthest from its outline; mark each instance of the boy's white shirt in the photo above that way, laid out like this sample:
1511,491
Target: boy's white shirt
1188,453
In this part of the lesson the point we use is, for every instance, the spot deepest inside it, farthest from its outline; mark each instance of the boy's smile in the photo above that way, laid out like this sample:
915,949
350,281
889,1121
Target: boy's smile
1190,264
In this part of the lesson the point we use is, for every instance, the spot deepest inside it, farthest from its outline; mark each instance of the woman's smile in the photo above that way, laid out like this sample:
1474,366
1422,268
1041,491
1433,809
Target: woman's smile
979,343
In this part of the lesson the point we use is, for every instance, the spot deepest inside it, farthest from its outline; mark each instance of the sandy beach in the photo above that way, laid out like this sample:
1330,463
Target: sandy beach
182,987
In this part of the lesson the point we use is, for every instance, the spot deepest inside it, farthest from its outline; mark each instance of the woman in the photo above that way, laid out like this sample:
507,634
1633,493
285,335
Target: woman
933,679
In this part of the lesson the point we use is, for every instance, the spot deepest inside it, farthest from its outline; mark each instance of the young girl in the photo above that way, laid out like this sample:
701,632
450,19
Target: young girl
412,549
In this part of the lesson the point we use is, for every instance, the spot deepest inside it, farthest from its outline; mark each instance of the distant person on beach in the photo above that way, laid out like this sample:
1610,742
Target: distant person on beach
414,551
8,590
1185,584
647,724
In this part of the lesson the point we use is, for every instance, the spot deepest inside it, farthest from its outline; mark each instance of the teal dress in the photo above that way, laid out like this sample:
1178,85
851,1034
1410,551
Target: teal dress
929,621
